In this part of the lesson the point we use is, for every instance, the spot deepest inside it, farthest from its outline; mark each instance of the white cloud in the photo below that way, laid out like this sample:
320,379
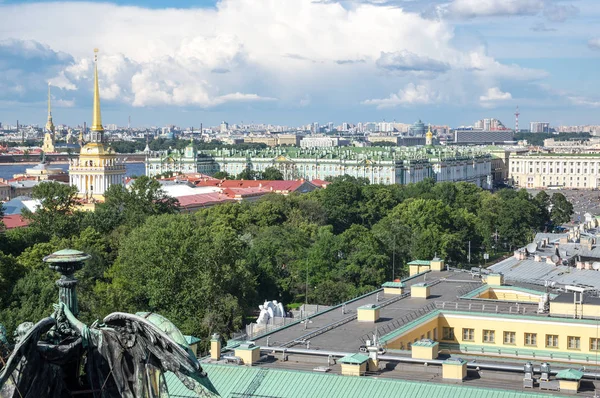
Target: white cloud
410,95
560,13
594,43
491,8
583,101
495,94
257,50
406,61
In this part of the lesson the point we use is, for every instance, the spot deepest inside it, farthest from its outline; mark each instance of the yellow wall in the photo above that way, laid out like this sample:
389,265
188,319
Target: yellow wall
454,371
425,352
215,349
349,369
585,310
509,295
417,269
568,385
541,327
248,355
437,265
368,314
419,291
393,290
494,279
423,331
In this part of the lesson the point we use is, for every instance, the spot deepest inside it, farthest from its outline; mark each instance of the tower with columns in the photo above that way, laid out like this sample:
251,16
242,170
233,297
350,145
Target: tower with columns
98,166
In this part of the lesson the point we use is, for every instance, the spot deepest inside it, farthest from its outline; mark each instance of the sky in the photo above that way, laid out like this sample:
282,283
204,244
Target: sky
293,62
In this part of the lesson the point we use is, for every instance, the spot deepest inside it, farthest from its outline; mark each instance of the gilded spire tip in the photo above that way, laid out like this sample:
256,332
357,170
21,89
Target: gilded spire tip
97,118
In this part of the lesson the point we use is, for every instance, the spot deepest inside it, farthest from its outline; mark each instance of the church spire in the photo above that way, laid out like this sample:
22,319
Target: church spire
49,123
97,119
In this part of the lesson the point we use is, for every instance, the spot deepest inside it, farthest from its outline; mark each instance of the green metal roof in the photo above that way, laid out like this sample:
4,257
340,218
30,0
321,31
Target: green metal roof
420,262
393,284
569,374
191,339
425,343
484,288
355,359
243,381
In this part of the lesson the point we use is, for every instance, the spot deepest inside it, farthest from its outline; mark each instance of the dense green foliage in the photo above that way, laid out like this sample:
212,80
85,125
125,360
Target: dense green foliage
206,271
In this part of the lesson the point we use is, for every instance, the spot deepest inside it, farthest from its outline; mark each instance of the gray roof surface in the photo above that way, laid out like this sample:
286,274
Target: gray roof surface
537,272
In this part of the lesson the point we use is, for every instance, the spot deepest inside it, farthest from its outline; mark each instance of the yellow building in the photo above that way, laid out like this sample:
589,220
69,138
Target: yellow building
98,167
48,145
429,137
503,335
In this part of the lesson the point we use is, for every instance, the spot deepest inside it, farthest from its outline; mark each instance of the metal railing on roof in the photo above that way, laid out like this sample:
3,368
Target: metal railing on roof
486,307
391,326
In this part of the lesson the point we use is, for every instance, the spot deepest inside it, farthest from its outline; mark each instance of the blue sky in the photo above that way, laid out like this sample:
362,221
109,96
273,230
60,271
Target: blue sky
299,61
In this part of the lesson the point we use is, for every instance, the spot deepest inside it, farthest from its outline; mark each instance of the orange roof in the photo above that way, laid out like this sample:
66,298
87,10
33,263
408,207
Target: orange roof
320,183
14,221
202,200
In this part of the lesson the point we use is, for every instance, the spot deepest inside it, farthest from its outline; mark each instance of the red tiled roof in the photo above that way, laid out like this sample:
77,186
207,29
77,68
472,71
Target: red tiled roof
320,183
14,221
205,199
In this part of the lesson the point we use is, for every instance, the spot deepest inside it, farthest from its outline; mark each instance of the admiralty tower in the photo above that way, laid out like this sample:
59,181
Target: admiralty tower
98,166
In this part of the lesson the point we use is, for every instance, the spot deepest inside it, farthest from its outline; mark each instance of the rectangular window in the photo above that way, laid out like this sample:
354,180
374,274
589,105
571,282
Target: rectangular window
574,343
531,339
469,334
594,344
510,338
551,341
489,336
447,333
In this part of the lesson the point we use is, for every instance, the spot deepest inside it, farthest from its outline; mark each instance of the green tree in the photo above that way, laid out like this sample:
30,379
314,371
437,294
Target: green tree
271,173
132,205
247,174
191,274
57,214
562,209
221,175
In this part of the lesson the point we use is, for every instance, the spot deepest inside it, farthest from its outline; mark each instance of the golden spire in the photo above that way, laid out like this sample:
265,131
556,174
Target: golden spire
97,119
49,124
429,133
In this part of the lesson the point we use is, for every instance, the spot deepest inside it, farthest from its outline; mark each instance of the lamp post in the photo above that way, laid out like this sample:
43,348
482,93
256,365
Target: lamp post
66,262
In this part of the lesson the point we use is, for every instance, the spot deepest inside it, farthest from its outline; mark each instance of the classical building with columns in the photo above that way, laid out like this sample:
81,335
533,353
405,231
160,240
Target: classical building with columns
98,166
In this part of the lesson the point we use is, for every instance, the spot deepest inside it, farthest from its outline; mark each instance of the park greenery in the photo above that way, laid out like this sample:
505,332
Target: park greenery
208,271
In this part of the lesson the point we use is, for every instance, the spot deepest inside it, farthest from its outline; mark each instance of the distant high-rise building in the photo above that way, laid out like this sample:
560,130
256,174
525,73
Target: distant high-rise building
417,129
539,127
224,127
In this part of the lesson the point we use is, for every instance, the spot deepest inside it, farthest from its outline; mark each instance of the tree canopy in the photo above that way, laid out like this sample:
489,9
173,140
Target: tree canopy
209,270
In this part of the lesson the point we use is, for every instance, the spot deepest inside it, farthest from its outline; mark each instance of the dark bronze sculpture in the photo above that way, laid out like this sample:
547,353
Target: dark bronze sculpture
126,355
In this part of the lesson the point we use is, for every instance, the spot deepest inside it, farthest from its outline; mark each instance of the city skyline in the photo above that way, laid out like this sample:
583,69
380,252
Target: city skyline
293,62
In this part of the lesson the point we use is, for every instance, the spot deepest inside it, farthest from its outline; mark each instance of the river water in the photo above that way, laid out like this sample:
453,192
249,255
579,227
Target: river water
8,170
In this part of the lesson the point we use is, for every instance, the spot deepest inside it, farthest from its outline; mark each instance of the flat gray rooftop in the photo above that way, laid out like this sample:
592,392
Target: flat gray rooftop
335,330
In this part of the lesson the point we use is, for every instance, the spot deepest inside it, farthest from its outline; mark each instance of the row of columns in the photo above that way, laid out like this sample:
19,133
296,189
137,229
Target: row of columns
98,183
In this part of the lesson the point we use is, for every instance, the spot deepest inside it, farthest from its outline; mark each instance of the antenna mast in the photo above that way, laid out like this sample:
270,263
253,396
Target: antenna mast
517,119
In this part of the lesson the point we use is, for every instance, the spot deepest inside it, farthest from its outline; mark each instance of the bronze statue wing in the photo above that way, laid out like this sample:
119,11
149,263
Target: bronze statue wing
25,347
154,349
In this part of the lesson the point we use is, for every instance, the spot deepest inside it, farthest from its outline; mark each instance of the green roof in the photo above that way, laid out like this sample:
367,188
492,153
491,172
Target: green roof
393,284
569,374
420,262
484,288
243,381
355,359
425,343
191,339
